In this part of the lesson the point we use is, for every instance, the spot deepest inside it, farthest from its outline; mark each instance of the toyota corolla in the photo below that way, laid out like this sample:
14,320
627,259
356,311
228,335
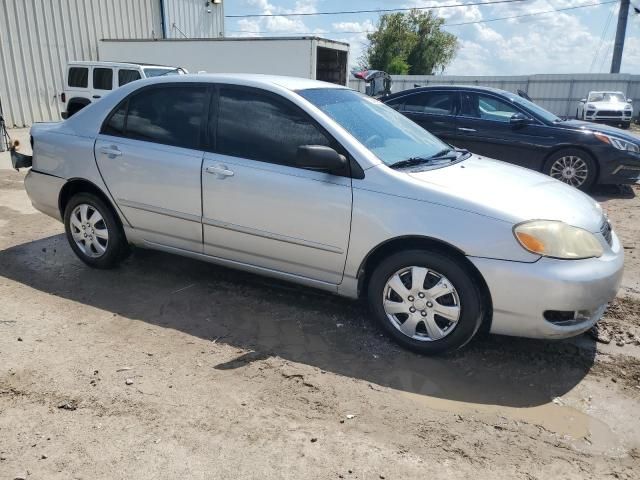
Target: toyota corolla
317,184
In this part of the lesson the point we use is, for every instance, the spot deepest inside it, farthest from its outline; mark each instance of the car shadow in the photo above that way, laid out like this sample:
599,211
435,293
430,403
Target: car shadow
603,193
266,318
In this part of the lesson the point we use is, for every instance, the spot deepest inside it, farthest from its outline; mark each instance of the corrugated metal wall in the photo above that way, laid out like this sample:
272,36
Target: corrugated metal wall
38,37
192,19
558,93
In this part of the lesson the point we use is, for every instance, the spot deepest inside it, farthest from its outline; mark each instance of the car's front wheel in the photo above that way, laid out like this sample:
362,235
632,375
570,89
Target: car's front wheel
572,166
426,301
93,231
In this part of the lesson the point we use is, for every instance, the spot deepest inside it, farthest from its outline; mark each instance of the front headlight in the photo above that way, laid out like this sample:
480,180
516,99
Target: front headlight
555,239
618,143
591,106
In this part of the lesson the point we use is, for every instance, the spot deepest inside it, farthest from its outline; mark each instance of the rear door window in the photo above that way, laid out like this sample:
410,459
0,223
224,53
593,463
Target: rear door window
127,76
78,77
433,103
259,126
103,78
170,115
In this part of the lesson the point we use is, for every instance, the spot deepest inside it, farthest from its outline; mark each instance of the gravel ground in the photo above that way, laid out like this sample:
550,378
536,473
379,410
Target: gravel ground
172,368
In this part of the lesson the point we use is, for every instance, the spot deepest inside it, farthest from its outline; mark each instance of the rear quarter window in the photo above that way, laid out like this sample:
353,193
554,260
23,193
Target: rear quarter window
78,77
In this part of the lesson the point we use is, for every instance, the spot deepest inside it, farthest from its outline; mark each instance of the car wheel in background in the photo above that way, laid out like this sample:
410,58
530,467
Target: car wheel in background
427,301
625,125
94,232
573,167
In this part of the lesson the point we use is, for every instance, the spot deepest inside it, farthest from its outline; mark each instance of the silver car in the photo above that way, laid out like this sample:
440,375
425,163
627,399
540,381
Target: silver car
319,185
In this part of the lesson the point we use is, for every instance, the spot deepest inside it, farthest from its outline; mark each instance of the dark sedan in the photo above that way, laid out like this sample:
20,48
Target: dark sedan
505,126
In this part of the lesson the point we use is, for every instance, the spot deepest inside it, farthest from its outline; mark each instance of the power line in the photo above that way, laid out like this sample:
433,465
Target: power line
602,37
448,24
377,10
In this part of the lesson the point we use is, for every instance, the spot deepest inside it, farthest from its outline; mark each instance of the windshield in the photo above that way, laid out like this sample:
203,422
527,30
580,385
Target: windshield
607,97
158,72
387,133
536,110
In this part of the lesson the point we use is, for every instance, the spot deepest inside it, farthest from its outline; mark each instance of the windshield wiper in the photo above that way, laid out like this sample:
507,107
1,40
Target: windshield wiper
445,154
410,162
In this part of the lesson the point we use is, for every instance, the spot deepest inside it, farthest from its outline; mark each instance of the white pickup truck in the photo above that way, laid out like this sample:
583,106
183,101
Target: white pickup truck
87,82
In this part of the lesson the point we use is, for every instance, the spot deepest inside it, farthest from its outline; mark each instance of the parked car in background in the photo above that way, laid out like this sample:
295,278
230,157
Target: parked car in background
606,107
87,82
317,184
502,125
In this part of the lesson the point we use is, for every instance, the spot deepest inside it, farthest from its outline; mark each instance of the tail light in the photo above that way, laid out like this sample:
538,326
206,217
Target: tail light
63,97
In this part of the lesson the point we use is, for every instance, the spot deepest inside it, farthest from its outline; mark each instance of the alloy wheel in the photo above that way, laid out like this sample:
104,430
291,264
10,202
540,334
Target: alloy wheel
421,303
570,169
89,230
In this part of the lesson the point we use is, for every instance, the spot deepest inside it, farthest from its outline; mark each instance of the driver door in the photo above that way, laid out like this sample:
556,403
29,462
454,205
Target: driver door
259,208
483,127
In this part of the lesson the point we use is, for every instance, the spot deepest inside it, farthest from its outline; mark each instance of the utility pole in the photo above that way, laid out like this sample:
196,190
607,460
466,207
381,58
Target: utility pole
621,31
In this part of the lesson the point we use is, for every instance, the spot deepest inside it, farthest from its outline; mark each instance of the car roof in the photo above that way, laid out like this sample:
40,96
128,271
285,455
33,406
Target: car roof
247,79
606,91
475,88
88,63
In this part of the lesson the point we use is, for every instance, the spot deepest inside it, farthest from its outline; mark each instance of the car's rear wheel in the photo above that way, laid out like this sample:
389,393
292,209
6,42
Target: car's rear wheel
94,232
573,167
427,301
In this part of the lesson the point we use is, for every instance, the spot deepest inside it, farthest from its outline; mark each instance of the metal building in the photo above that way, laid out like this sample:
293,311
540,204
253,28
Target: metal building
38,38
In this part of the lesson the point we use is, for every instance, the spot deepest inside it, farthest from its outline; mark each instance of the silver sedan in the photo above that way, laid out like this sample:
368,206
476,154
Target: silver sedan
316,184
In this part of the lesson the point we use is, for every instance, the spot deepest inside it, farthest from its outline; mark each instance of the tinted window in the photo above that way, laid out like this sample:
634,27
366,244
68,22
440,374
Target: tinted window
261,127
115,125
102,78
160,72
78,77
435,103
169,115
127,76
486,107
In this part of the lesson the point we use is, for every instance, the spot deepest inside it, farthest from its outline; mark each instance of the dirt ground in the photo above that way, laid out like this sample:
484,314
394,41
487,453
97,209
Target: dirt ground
172,368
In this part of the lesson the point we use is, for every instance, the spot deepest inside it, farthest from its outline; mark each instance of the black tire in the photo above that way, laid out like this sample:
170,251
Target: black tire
626,125
592,169
577,110
458,274
74,108
116,247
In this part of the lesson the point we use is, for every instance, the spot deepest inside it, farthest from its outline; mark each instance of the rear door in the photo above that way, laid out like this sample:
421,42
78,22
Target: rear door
433,110
259,208
484,128
150,155
103,82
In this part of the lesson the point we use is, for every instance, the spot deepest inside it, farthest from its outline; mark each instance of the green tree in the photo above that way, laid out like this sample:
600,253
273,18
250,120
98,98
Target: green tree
410,43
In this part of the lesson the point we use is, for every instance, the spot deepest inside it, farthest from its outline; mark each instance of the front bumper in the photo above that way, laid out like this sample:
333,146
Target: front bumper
609,116
522,292
616,166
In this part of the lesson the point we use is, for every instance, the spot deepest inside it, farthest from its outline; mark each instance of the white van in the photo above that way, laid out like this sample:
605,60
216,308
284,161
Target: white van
87,82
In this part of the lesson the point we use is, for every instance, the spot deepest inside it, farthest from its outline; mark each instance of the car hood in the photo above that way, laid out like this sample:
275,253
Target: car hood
514,194
608,105
596,127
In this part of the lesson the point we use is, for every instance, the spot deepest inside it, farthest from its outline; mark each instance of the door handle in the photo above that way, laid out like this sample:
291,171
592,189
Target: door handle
111,152
462,129
220,170
97,96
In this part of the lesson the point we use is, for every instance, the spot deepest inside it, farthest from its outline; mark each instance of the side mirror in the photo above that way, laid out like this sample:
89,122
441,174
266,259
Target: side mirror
629,100
319,157
519,120
583,100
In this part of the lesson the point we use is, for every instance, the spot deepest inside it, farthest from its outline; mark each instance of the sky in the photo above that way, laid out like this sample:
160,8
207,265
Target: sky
570,41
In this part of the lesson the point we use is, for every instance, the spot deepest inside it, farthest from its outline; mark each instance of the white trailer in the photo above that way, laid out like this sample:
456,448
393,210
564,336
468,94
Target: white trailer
307,57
